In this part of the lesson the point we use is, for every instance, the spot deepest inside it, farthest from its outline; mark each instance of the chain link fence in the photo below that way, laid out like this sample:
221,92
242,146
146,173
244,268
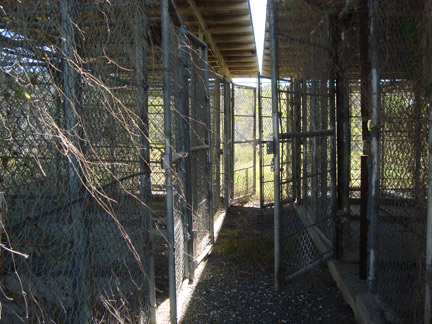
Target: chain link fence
91,156
403,152
305,137
265,129
379,58
75,170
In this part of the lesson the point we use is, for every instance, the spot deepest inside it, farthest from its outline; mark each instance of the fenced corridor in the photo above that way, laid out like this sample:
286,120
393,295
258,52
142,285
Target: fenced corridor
236,285
124,137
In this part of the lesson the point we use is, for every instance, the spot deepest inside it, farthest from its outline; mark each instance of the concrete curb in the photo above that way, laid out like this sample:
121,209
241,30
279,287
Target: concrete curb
366,308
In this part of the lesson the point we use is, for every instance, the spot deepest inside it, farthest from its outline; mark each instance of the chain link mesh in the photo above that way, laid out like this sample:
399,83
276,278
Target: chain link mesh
265,136
74,165
200,127
82,131
403,152
305,135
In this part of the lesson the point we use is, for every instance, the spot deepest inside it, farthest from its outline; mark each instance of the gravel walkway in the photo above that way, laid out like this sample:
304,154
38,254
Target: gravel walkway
236,285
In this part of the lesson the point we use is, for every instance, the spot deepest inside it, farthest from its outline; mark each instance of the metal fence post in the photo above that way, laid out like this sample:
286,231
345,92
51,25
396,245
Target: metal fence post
304,128
232,146
167,158
72,102
365,112
296,161
428,279
260,139
209,143
254,137
374,160
140,24
428,271
217,143
275,121
184,145
314,148
343,129
227,144
332,112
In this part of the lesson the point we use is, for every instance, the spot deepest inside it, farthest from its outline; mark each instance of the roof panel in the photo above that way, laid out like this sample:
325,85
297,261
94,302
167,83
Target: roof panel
227,27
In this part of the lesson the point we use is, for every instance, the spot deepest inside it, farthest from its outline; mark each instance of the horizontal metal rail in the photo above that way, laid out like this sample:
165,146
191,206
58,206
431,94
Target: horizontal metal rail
303,41
312,94
316,133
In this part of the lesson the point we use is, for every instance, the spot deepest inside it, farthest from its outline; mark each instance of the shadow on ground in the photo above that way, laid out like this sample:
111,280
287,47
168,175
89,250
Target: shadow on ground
237,284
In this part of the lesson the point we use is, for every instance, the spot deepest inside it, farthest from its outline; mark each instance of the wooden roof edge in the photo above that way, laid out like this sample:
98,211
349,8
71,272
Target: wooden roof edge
209,37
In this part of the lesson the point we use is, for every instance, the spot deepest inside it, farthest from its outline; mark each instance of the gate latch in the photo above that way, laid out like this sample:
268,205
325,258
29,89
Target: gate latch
270,147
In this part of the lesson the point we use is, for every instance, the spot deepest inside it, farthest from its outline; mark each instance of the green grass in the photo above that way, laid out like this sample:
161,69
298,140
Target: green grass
254,248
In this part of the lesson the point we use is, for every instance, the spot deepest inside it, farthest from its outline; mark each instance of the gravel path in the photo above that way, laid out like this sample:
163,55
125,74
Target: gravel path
236,285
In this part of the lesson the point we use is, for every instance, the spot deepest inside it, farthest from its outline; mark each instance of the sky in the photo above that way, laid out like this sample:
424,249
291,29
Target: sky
258,9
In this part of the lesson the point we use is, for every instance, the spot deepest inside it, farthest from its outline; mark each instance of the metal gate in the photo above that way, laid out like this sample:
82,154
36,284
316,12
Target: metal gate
244,116
303,106
265,130
286,98
304,207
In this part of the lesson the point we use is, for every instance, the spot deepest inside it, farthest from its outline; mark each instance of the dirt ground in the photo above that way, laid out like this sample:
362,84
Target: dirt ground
237,283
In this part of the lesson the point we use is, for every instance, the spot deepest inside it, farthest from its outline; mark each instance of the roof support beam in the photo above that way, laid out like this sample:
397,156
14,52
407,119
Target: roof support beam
209,37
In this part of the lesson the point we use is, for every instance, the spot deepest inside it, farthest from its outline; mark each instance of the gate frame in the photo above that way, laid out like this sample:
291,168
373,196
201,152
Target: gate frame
234,142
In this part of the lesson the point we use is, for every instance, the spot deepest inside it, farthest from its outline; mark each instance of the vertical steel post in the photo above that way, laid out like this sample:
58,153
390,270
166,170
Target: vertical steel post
260,139
428,286
275,121
374,160
254,139
343,129
332,108
232,157
167,158
296,142
217,144
314,148
304,128
324,142
183,145
365,89
209,143
140,24
227,143
72,109
428,271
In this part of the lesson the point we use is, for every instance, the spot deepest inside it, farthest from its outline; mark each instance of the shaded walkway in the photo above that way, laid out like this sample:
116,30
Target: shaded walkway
237,284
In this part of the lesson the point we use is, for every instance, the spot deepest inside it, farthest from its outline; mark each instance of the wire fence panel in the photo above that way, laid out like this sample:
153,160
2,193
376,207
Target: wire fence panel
200,150
401,240
75,159
265,139
173,133
306,137
216,100
244,141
